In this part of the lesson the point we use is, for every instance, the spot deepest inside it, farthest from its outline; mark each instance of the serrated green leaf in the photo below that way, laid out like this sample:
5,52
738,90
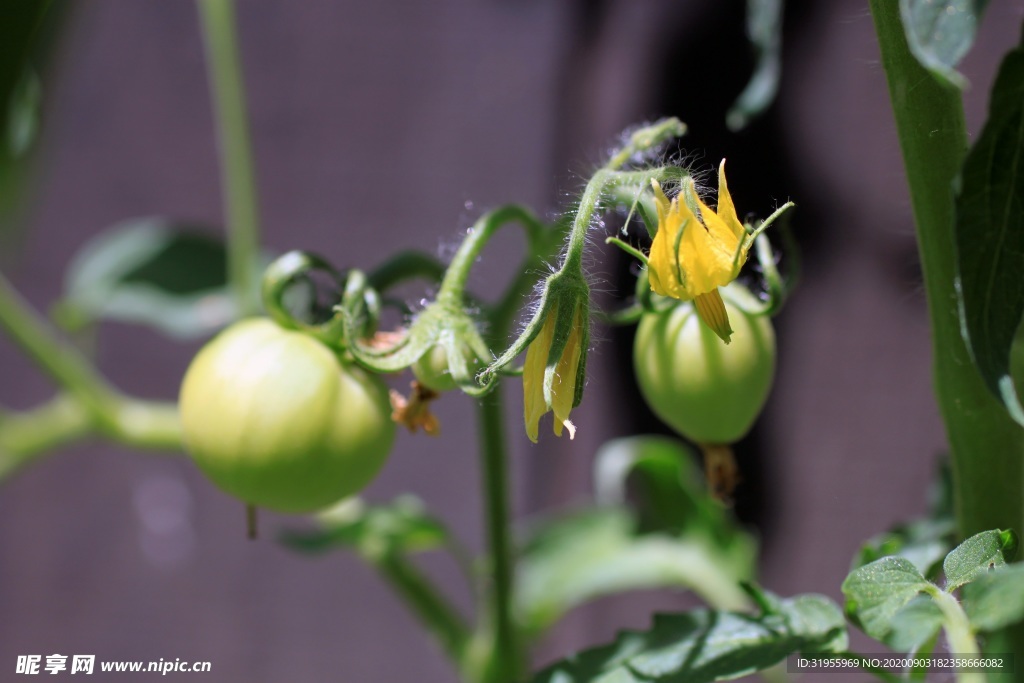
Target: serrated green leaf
940,32
877,591
153,272
764,30
977,555
990,235
403,526
995,600
703,645
915,624
924,543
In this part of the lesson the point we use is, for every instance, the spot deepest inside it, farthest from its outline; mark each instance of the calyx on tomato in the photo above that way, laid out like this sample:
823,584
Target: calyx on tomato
708,391
274,417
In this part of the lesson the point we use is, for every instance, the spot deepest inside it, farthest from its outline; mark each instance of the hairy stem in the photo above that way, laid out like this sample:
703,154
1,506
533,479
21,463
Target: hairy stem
238,178
453,285
961,639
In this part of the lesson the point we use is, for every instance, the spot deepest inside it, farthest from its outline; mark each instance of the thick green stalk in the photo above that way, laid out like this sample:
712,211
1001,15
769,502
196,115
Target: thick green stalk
507,664
987,447
237,175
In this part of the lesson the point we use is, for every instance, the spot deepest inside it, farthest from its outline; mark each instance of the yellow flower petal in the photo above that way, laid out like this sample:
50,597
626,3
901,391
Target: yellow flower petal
660,201
534,405
666,263
563,389
726,209
706,255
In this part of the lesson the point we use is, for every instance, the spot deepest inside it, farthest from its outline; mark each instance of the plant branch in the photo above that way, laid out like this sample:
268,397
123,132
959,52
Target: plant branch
432,610
507,664
238,178
958,632
87,405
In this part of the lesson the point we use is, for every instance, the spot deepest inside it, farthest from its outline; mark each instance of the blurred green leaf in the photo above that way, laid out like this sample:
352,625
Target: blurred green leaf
596,552
914,625
27,29
403,526
153,272
977,555
703,646
667,488
764,30
995,600
990,235
940,32
877,591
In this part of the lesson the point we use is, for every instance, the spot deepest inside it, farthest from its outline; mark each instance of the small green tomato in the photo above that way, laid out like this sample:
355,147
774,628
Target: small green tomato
273,417
708,391
432,368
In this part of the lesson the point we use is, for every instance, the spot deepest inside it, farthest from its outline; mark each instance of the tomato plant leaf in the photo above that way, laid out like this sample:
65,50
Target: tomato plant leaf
154,272
667,488
977,555
764,30
402,526
915,624
990,235
877,591
925,541
702,645
995,600
595,552
27,32
940,32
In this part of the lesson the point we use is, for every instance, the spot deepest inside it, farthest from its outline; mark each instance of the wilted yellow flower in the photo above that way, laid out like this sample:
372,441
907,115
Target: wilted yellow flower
692,256
563,394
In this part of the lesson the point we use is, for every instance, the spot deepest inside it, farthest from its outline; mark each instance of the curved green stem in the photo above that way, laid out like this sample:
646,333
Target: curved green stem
405,265
453,286
228,92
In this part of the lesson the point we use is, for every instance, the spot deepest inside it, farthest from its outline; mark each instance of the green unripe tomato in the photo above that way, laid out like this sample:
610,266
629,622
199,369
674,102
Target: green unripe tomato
273,417
708,391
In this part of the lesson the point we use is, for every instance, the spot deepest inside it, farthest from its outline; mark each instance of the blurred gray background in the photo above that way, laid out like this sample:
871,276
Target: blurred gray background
396,124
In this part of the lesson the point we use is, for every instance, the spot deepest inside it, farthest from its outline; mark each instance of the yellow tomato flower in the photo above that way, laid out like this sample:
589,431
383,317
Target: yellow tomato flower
691,256
563,393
